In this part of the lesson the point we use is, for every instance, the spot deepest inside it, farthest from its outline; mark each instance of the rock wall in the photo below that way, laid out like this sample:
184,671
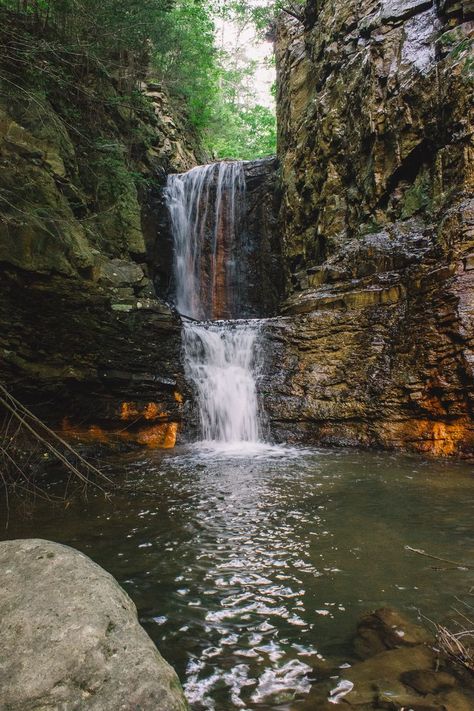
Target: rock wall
375,134
266,282
84,339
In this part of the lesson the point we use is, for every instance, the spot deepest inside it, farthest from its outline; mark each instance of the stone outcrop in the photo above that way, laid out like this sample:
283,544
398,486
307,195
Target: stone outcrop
84,337
375,134
72,637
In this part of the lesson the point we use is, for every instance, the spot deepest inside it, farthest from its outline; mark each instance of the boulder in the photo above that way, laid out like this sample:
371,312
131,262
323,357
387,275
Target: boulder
71,637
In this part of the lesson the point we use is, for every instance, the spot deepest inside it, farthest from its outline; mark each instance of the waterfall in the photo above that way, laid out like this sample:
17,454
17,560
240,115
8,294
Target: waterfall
221,363
207,214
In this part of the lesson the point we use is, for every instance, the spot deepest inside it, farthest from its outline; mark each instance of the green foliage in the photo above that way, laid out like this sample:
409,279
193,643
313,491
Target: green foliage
124,38
261,13
184,58
243,134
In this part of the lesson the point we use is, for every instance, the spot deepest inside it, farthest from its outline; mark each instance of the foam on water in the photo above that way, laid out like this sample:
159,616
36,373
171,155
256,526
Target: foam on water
221,361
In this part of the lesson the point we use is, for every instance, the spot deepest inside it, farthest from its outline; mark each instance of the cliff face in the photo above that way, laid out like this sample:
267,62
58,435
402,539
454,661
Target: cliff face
266,280
375,130
83,334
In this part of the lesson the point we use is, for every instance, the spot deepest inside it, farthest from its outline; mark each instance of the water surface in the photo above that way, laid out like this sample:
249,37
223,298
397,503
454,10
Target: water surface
247,568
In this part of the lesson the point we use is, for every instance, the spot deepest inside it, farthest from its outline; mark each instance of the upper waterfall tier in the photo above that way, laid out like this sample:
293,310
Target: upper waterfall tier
225,241
207,211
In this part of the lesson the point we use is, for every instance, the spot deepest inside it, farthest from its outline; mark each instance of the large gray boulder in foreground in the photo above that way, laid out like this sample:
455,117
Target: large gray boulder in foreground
70,637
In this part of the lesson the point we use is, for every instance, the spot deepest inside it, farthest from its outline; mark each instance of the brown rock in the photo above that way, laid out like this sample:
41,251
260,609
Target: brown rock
387,629
374,195
429,682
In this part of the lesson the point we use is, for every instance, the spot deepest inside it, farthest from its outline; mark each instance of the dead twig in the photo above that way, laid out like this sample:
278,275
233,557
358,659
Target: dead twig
18,470
420,551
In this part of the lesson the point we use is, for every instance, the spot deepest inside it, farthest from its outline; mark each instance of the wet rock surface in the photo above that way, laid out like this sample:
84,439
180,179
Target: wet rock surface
95,361
73,637
377,221
401,669
245,268
263,252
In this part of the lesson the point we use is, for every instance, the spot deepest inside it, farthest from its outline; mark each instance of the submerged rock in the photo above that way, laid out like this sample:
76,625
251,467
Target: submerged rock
387,629
71,637
400,670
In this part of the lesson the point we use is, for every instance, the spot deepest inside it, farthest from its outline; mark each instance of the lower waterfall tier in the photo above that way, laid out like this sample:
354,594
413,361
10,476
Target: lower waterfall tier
221,362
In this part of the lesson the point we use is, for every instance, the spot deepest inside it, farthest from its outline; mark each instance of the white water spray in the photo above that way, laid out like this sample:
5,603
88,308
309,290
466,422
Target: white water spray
206,211
221,363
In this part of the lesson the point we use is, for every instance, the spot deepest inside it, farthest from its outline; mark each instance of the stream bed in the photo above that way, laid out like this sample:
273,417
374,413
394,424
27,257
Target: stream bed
249,568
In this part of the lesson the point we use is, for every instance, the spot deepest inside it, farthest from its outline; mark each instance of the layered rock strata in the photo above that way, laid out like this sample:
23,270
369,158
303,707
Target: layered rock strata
375,129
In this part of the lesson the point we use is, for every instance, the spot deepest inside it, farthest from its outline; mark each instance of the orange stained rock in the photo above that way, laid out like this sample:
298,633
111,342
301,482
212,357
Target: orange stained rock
178,397
446,438
151,411
159,436
434,437
128,411
92,433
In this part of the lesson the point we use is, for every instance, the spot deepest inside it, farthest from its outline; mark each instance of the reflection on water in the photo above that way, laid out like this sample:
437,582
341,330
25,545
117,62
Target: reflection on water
248,570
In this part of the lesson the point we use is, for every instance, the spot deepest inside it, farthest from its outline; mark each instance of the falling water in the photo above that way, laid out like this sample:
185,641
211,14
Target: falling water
207,212
221,363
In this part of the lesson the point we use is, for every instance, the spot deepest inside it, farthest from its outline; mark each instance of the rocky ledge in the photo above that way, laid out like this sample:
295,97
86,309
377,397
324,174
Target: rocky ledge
376,349
73,637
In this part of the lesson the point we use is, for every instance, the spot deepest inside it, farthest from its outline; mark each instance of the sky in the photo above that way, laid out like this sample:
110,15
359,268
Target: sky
249,47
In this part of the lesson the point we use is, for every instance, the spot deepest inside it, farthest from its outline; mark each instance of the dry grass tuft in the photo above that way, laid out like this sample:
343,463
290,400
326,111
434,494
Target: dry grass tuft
457,641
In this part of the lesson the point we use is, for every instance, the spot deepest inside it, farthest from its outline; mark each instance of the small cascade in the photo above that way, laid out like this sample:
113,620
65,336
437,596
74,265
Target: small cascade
207,213
220,360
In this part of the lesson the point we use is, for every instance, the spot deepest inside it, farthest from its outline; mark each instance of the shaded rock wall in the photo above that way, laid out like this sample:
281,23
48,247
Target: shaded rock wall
375,131
266,277
258,282
83,335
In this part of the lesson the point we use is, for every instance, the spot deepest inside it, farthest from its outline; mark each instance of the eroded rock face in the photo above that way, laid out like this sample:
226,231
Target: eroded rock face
72,638
375,129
